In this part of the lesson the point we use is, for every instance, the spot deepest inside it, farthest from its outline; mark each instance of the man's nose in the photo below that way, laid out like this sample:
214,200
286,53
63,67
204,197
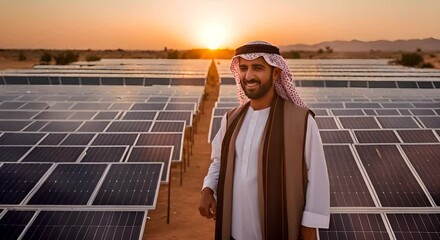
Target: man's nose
249,74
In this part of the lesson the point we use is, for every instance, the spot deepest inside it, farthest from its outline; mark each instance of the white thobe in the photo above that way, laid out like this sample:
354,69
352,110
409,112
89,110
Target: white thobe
245,206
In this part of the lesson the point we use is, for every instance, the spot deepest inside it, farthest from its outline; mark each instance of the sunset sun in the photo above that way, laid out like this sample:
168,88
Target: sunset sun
212,36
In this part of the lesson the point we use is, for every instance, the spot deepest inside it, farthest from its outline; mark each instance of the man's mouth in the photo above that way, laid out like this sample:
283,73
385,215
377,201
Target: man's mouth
251,83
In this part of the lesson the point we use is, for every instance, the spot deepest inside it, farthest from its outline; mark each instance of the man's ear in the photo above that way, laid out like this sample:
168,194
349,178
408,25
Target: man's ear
276,73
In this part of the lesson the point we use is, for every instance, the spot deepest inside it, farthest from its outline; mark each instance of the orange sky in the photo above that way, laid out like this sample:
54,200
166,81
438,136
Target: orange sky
185,24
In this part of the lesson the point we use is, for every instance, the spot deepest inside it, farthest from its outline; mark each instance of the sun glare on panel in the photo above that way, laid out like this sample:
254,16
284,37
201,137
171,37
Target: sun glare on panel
212,36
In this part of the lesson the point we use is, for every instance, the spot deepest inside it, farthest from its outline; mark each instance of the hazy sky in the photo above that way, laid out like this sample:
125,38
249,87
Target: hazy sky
185,24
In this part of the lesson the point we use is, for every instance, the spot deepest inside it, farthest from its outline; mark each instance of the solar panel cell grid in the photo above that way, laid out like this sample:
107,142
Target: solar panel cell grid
355,226
18,180
376,136
93,126
86,225
168,127
12,154
69,184
20,138
13,125
13,223
36,126
397,122
326,123
154,139
78,139
115,139
53,139
53,115
425,159
103,154
65,126
336,137
139,115
152,154
54,154
347,186
417,136
132,126
359,122
396,188
415,226
106,115
130,184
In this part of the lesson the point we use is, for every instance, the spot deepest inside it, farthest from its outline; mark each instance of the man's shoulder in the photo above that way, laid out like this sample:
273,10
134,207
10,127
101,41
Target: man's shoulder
290,106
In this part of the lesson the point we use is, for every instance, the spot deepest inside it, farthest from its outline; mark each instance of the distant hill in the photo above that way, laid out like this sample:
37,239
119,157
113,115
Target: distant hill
427,45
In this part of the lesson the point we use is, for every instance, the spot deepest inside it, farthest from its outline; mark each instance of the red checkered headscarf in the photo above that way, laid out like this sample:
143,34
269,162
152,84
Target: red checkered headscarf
285,86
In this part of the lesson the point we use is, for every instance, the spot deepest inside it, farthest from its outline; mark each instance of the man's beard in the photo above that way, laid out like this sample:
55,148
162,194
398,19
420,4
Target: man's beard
258,92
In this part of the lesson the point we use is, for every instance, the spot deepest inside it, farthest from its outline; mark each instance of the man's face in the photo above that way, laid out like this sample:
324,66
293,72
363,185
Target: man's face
257,77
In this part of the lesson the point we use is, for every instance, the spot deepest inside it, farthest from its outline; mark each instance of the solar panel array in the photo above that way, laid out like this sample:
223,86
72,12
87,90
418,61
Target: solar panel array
382,147
78,161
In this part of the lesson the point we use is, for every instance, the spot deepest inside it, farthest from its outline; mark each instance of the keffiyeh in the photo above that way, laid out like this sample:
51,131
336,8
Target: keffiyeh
285,86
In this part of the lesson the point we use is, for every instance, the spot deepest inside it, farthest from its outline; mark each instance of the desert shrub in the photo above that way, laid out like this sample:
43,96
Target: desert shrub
45,58
427,65
91,58
411,59
21,57
66,57
320,51
291,55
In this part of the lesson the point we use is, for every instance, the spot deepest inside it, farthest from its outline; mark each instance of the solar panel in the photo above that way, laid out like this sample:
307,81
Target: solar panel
336,136
220,111
120,106
181,106
82,115
347,186
397,122
87,225
130,184
61,106
18,180
13,125
325,105
148,106
362,105
89,106
376,136
176,116
58,126
17,114
131,126
415,226
163,139
20,138
387,112
215,126
104,154
153,154
69,184
158,99
359,122
425,159
13,223
417,136
78,139
10,105
140,115
355,226
347,112
12,154
114,139
35,126
422,111
35,105
54,154
53,115
93,126
396,188
106,115
53,139
326,123
431,122
168,126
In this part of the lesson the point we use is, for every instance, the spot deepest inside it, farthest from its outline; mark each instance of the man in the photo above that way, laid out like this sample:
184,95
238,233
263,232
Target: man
268,167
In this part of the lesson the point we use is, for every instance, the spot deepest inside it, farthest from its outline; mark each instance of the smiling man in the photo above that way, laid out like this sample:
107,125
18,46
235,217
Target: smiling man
268,167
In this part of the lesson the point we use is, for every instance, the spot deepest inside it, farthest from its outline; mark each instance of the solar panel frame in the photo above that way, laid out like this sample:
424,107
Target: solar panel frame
166,160
398,175
52,190
96,199
23,178
69,224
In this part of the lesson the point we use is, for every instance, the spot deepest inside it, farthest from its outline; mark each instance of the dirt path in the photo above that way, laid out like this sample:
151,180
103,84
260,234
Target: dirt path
185,222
